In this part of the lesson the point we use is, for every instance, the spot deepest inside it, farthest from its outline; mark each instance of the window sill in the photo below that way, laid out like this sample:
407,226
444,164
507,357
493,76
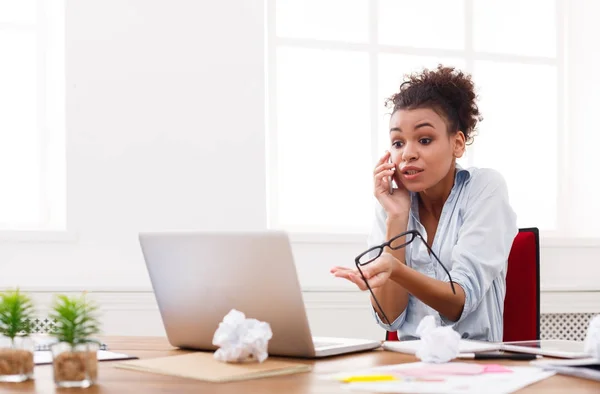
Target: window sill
326,238
546,240
568,242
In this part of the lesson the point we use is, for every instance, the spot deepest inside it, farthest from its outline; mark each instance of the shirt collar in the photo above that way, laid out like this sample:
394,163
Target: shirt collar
462,174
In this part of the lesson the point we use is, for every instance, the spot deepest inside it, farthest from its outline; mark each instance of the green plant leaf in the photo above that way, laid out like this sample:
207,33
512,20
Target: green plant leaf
76,319
16,314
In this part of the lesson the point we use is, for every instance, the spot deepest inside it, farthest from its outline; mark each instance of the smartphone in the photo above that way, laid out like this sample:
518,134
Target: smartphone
390,179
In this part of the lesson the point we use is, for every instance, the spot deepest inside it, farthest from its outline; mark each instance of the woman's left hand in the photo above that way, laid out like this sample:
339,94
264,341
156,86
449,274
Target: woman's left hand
377,272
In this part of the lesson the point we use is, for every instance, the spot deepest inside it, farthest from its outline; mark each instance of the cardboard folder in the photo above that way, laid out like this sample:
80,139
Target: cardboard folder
203,366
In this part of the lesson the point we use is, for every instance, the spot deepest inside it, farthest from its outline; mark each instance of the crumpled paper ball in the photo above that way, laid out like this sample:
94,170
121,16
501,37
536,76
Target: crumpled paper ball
240,339
592,339
438,344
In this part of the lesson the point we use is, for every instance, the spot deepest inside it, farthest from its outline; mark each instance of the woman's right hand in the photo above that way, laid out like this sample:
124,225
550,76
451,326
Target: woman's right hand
398,203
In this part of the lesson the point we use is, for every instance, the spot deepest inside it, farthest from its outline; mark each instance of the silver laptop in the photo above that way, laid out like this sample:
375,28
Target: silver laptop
198,277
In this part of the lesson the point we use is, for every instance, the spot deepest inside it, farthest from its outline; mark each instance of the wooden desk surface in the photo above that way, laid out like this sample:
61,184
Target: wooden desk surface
114,380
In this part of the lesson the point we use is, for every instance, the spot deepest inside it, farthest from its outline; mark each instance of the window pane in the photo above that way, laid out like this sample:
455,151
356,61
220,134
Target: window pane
520,27
18,11
413,23
392,69
518,136
19,137
343,20
324,140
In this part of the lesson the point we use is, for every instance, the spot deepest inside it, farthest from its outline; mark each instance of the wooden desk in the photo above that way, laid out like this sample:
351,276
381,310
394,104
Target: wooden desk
113,380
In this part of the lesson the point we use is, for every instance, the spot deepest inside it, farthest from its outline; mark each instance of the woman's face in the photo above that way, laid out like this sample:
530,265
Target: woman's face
422,149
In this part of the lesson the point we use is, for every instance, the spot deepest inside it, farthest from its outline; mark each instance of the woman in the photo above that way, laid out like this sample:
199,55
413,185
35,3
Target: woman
463,214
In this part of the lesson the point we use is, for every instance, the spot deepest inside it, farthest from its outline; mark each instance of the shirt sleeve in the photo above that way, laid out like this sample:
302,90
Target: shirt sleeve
484,240
396,324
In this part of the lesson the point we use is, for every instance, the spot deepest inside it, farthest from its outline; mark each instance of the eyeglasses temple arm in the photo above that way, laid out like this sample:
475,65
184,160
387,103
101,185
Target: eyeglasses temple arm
387,321
438,260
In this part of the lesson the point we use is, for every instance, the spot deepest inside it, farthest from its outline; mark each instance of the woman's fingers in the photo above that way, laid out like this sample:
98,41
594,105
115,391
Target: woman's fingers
354,279
382,173
384,167
371,269
377,280
358,281
382,182
383,163
350,275
338,269
375,273
383,159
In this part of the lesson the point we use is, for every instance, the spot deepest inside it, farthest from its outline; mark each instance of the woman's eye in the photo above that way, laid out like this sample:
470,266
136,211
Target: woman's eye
397,144
425,141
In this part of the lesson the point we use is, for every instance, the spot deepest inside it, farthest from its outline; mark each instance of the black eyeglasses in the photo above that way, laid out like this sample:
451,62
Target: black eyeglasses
395,243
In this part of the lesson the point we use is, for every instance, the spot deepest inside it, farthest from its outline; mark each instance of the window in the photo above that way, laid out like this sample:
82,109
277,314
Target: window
32,111
332,63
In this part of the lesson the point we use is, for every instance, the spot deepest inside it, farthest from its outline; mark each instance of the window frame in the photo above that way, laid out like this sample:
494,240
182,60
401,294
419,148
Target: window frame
373,49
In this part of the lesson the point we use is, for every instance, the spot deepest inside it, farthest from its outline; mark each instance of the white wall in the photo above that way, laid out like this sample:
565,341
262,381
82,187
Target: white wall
166,130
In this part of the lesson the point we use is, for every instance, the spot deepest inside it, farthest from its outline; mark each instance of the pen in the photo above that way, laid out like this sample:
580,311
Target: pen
368,378
499,356
382,378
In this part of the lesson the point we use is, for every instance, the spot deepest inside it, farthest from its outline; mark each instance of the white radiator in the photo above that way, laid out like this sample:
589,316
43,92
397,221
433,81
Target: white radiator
571,326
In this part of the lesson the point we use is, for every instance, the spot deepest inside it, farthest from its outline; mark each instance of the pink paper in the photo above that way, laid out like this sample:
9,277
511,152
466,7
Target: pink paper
494,368
455,369
443,369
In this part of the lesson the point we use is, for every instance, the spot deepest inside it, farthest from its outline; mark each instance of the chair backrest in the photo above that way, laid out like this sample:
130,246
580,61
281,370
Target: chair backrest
522,301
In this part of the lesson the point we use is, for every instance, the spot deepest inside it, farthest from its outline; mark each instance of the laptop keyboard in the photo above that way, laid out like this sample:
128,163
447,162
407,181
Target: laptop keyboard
325,344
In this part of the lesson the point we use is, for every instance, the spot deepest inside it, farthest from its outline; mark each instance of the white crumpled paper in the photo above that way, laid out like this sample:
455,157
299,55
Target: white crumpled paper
240,339
592,338
438,344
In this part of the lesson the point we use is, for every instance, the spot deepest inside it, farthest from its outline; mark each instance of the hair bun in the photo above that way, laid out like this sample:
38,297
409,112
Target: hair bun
445,88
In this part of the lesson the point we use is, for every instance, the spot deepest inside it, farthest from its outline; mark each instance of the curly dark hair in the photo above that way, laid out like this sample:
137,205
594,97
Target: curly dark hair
447,91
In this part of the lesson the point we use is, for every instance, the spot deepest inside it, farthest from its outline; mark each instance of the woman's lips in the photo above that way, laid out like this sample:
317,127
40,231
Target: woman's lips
410,173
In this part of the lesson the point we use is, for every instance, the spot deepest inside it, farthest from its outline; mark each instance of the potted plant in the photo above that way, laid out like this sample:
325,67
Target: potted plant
16,346
74,356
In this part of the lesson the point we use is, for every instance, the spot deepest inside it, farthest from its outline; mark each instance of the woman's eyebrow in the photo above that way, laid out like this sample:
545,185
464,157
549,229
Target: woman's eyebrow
418,126
424,124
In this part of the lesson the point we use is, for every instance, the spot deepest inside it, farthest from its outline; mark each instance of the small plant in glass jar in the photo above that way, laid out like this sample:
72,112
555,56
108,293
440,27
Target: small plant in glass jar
74,355
16,345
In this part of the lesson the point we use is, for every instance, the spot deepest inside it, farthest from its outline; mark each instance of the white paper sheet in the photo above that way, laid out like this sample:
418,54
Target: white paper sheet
488,382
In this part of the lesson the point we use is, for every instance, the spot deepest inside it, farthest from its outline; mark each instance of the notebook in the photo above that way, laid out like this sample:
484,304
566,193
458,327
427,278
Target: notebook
203,366
46,346
549,347
588,368
44,342
41,357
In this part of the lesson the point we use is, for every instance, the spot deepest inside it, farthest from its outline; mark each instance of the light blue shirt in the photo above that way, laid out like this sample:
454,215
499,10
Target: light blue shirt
473,240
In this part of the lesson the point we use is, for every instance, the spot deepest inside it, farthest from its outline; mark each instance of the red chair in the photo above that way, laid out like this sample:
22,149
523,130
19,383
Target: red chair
522,301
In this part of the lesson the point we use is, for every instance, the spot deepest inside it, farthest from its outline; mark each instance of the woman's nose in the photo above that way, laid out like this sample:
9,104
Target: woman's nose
409,152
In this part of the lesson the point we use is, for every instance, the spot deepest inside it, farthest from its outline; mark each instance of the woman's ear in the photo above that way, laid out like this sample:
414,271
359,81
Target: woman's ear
459,144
